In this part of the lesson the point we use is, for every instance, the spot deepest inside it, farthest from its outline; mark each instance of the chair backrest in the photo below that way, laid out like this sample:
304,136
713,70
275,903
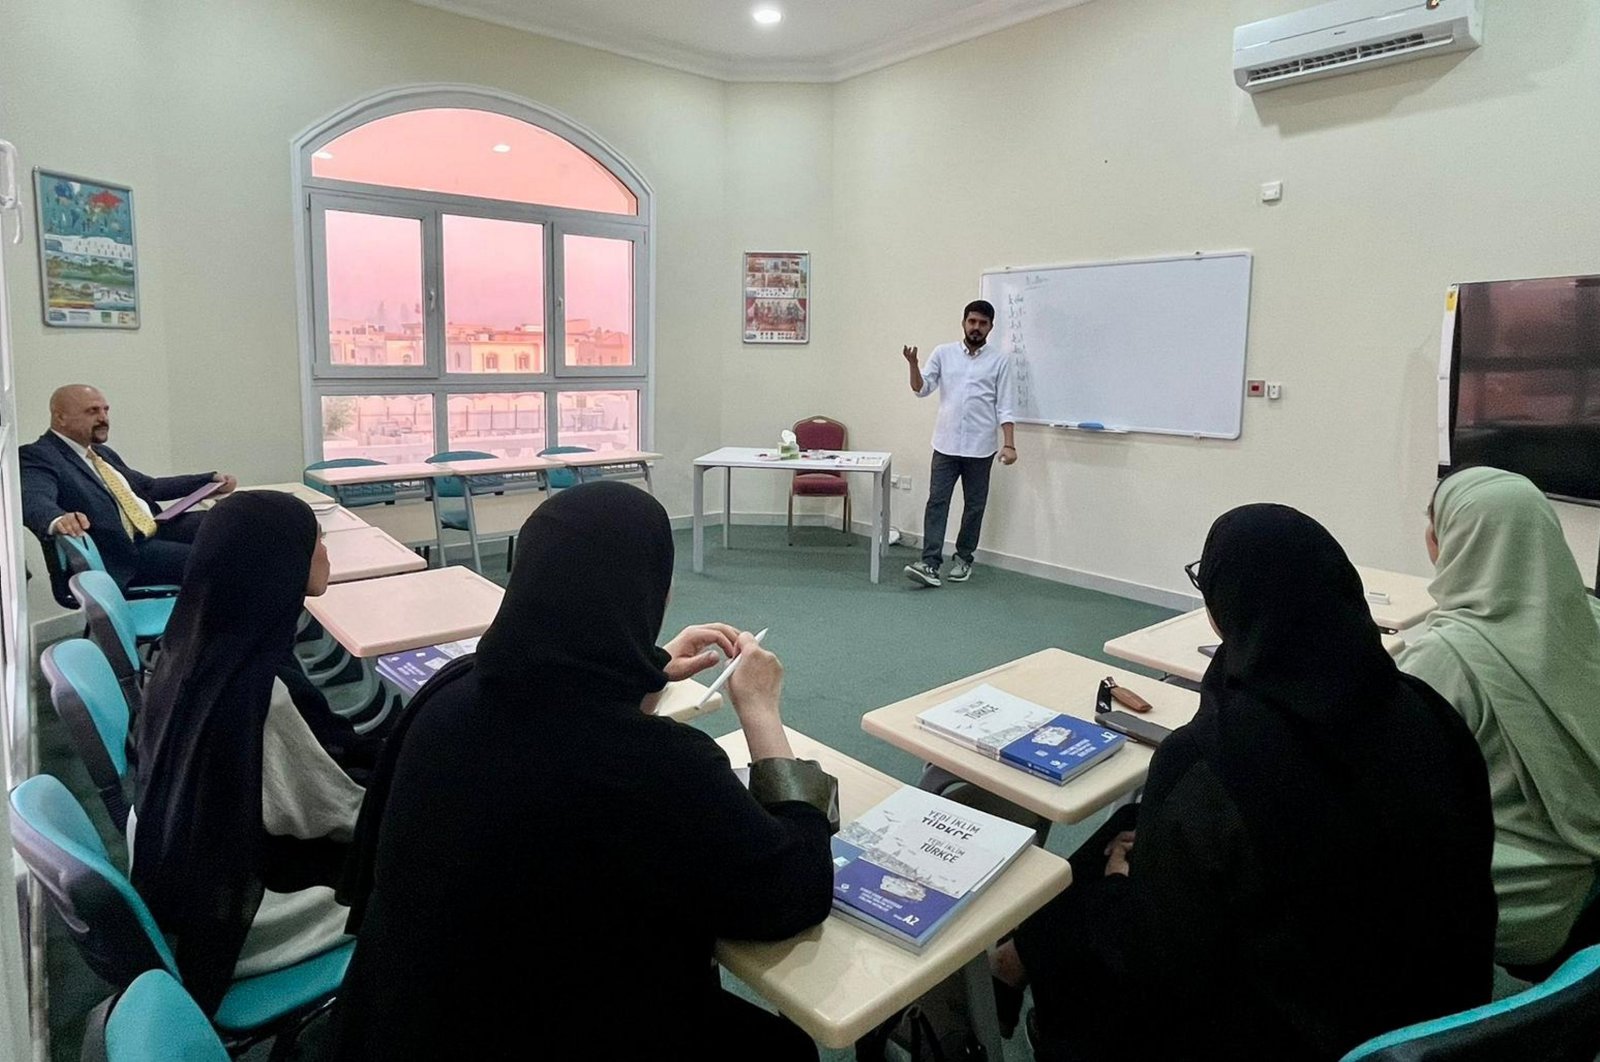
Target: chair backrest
152,1020
562,478
110,924
1555,1021
55,567
356,494
78,553
111,627
821,433
90,702
451,486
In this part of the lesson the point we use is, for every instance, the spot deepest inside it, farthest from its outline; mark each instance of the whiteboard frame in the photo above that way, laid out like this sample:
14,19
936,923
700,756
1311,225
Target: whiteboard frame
1244,373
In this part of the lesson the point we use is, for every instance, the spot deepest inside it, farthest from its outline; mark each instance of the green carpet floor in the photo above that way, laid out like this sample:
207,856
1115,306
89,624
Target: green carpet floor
847,647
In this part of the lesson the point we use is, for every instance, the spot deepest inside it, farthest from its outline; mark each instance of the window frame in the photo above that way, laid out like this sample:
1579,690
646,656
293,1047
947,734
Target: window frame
314,196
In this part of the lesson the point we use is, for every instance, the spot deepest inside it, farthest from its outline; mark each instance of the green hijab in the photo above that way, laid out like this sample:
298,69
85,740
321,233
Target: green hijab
1513,607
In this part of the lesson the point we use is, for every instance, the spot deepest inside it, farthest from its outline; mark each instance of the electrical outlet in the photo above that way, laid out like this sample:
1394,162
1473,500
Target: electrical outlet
902,482
1272,192
1274,391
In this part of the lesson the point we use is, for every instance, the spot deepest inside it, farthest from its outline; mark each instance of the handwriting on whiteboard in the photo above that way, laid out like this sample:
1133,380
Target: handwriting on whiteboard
1014,341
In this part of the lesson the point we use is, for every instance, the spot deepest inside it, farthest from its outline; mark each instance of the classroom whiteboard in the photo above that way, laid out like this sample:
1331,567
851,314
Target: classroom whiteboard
1156,345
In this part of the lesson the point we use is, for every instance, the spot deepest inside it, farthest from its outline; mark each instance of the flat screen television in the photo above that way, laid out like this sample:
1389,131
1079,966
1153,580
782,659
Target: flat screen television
1525,382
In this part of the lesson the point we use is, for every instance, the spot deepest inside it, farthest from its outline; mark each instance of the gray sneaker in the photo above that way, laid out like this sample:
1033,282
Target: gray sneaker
923,572
960,571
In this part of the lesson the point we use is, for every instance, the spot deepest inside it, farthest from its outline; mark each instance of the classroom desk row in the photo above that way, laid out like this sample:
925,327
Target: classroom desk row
637,461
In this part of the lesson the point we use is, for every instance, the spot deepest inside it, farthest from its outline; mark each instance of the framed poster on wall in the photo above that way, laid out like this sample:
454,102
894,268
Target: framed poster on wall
777,296
88,269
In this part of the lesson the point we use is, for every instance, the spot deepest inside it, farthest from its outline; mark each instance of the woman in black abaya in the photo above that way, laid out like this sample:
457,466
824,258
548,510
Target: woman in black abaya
242,818
1310,863
543,865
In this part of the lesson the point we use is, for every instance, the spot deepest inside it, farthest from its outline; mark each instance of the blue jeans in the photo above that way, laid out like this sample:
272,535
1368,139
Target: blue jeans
974,475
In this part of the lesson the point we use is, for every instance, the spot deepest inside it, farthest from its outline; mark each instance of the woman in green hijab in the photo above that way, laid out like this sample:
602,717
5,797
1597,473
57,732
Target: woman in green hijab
1514,644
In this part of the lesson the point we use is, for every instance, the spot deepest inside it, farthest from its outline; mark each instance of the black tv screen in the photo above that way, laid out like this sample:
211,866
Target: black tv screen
1526,382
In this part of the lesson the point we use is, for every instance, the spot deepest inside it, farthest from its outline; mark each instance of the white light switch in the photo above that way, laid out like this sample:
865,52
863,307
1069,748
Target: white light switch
1272,191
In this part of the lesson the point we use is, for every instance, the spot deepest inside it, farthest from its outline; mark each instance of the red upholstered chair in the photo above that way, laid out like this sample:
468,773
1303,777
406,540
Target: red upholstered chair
820,433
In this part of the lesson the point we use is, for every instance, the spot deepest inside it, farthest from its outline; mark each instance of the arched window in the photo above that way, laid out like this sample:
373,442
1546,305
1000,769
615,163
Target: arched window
444,226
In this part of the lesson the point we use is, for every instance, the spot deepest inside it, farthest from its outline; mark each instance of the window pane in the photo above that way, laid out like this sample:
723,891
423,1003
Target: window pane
477,153
506,425
493,295
599,300
392,428
600,420
374,289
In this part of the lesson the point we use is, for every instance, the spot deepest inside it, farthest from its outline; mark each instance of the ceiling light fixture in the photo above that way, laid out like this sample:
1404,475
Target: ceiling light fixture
324,155
502,148
767,16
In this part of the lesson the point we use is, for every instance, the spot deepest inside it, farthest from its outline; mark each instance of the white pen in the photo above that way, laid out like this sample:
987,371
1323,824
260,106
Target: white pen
723,678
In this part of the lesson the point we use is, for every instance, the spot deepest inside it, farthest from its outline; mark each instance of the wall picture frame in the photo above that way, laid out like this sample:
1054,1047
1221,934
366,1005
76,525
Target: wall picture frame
777,297
88,253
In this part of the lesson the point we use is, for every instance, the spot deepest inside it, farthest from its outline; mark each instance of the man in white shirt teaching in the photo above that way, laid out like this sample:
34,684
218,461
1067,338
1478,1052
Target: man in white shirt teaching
976,401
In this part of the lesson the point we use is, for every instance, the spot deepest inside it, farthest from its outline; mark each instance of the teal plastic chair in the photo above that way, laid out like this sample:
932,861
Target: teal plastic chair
119,938
1555,1021
355,495
119,626
80,554
89,701
562,478
152,1020
449,504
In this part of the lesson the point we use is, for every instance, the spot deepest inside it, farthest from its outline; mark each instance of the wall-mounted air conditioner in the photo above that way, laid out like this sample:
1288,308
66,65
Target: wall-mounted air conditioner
1349,35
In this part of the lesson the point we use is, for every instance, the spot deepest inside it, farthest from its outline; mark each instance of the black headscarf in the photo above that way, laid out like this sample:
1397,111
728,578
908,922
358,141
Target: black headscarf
1313,729
577,628
585,602
200,846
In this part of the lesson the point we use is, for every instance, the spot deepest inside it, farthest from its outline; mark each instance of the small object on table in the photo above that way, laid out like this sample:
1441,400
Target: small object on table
788,446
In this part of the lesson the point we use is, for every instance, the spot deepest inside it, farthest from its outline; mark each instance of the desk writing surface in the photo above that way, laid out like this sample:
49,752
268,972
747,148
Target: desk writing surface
306,494
606,457
1409,600
1173,645
400,612
367,553
339,519
838,981
505,466
836,461
347,477
1063,682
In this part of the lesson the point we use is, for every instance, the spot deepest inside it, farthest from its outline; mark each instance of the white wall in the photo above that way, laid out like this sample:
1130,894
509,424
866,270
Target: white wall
194,106
1114,130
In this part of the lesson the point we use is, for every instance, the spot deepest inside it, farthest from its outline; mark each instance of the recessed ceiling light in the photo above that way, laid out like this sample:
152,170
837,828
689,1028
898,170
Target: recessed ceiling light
502,148
323,155
767,16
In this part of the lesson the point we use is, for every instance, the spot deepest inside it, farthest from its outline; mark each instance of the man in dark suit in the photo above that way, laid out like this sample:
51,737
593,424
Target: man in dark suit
73,484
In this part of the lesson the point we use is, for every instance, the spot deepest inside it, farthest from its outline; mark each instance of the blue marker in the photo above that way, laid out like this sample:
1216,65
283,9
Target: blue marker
1091,425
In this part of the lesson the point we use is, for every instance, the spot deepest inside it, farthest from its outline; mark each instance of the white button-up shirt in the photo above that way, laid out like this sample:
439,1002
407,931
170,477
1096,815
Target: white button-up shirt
977,398
83,452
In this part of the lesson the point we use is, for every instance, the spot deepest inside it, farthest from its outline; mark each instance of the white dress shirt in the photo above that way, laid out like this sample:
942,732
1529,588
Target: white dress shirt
83,452
977,398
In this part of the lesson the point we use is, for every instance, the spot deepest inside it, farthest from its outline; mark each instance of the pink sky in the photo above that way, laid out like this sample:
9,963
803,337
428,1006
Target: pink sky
493,269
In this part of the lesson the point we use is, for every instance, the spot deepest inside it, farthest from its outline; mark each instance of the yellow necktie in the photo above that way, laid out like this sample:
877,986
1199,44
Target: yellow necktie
134,516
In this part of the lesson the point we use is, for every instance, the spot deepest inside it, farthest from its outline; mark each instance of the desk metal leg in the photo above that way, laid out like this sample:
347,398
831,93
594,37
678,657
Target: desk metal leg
648,486
888,496
980,1006
879,531
727,505
699,518
438,527
472,524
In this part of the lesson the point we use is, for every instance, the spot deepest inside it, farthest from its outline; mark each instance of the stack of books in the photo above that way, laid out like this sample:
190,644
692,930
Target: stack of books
1024,735
907,867
407,671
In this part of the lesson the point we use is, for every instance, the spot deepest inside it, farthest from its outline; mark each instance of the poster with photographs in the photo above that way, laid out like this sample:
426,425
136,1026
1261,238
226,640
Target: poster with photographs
777,297
87,258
